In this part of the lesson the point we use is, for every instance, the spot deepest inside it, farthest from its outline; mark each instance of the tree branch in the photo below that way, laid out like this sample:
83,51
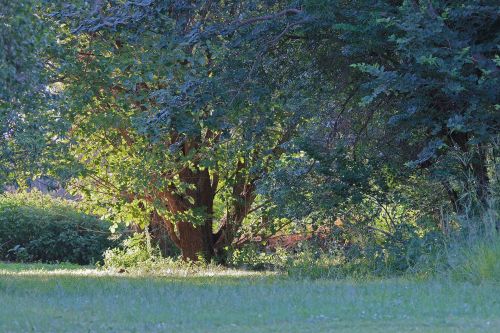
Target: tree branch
290,11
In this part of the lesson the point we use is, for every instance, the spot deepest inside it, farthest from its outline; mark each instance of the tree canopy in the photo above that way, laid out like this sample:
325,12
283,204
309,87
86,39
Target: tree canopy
32,129
215,121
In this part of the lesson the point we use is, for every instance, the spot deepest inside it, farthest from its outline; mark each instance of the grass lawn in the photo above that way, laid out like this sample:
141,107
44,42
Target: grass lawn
44,298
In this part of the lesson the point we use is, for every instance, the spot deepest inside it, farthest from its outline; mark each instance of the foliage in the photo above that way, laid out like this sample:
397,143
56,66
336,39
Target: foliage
32,128
217,122
36,227
472,255
402,253
182,115
398,141
249,257
137,255
133,251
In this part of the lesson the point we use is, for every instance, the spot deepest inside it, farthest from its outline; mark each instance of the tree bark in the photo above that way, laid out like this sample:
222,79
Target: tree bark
194,241
197,240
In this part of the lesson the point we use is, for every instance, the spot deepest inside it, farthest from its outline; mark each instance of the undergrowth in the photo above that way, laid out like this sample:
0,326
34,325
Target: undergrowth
35,227
462,256
137,255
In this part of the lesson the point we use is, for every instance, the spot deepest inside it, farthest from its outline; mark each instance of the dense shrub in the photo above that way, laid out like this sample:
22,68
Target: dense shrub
37,227
133,252
137,255
251,257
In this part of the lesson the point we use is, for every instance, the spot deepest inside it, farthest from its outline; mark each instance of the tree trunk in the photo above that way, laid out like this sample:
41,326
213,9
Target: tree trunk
160,235
197,240
194,241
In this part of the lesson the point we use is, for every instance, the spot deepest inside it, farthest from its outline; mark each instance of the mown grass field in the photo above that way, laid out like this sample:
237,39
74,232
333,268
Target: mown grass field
71,299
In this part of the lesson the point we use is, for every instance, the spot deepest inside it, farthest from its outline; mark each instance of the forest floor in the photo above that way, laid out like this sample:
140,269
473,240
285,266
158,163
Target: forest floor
67,298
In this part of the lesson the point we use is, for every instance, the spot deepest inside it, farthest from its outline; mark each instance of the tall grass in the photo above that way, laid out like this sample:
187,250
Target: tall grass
473,253
479,263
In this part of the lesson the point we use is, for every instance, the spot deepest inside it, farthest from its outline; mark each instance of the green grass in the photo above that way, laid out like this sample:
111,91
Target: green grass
479,263
44,298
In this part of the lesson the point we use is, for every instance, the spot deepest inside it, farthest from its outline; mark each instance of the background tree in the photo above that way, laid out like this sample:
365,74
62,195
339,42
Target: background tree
31,129
411,109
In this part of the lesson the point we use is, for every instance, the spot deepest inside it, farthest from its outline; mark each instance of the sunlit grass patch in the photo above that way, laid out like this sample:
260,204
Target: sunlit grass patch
18,269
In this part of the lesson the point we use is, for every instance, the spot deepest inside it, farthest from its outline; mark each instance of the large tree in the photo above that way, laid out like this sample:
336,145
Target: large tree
179,104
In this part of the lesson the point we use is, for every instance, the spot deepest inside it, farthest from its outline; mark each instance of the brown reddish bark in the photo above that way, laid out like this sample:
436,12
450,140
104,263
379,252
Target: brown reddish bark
193,240
197,241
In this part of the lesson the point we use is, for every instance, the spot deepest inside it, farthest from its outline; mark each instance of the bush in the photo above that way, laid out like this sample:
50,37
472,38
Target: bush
405,251
136,255
133,252
37,227
250,257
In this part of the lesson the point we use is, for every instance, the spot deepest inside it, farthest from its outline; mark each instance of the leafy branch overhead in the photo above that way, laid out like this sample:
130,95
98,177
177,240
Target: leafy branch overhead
219,121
